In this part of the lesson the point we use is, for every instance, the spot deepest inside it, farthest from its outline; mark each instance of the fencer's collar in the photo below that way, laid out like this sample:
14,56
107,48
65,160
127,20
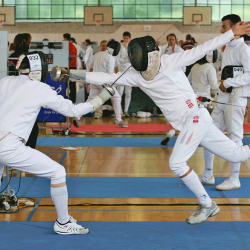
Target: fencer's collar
236,42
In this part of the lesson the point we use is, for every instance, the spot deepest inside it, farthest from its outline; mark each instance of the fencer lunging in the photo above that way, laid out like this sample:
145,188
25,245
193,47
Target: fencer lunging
21,98
236,72
162,79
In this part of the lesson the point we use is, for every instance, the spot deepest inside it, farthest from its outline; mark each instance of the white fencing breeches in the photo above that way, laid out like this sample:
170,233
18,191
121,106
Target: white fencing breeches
230,118
199,129
128,91
14,154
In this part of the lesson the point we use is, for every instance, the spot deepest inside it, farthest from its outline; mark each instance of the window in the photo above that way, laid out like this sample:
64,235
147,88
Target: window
124,9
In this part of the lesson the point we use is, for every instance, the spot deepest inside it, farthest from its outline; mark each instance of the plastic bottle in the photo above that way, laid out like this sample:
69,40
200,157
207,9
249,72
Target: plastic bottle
155,111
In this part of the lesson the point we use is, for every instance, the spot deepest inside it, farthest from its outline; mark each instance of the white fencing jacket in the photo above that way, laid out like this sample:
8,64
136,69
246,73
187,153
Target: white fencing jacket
123,59
88,56
238,53
80,52
203,78
165,49
170,88
102,61
21,100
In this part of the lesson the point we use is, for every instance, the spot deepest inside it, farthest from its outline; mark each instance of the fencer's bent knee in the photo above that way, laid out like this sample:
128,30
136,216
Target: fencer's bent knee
59,175
179,168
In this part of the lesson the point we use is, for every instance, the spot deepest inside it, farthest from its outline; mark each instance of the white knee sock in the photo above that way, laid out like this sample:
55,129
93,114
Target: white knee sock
117,110
127,102
59,196
193,183
235,170
209,163
171,133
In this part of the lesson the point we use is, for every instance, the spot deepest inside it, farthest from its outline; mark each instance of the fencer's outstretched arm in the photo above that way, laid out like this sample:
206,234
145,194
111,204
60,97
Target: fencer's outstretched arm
50,99
188,57
99,78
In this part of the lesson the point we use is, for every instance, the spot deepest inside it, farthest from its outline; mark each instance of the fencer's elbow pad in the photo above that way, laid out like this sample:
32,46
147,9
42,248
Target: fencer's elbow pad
103,96
231,71
58,73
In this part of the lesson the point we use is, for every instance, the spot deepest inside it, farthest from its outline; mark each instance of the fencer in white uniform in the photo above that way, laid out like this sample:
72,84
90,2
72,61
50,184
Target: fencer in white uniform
124,64
228,116
21,98
164,81
168,49
203,78
88,56
103,61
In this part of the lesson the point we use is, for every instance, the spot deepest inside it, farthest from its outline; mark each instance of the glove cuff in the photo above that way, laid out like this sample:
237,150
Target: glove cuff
96,102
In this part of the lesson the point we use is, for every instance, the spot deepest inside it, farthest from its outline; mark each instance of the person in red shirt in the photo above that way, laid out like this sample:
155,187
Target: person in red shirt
72,65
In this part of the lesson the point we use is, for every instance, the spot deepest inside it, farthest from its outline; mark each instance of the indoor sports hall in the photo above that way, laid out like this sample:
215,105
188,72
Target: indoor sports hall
123,157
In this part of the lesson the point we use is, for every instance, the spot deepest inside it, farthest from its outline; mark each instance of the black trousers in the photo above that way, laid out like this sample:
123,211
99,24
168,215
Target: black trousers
72,88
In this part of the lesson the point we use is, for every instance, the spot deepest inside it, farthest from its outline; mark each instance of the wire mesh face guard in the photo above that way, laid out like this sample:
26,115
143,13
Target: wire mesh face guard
114,47
38,65
138,50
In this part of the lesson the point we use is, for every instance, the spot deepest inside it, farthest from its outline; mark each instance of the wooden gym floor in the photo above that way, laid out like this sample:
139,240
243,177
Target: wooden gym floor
131,162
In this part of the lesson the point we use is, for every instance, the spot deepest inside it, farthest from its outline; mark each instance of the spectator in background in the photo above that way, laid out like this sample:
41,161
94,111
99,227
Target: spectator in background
124,64
181,43
188,44
89,54
80,53
21,45
172,46
72,65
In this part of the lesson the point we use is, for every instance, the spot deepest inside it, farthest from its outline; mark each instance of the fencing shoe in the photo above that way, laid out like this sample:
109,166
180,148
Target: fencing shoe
202,213
120,124
76,123
165,140
229,184
71,227
206,181
126,114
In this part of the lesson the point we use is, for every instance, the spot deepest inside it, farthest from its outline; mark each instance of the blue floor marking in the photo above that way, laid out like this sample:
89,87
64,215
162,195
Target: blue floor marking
108,141
34,209
63,158
133,235
123,187
15,175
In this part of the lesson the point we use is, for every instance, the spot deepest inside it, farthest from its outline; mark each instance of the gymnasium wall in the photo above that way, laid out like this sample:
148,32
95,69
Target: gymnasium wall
54,31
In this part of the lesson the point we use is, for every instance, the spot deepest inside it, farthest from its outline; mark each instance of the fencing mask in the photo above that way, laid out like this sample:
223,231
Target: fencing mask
211,57
144,56
113,47
34,63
